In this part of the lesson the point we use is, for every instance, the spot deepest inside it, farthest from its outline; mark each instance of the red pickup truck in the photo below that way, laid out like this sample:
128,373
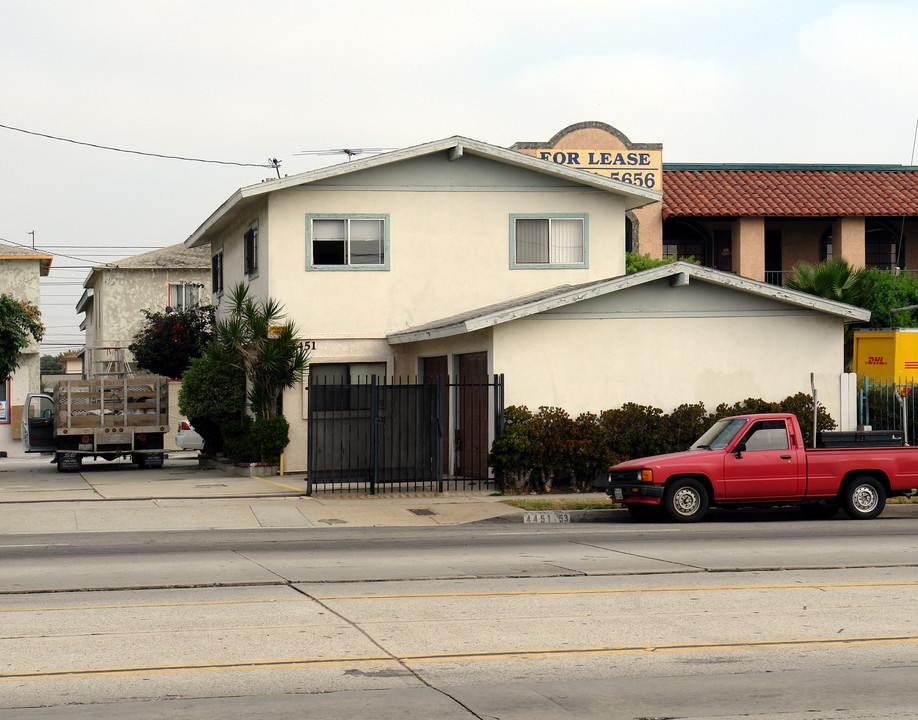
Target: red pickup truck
761,459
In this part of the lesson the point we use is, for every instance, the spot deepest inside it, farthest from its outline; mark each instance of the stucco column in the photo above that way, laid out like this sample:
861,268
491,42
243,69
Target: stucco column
650,230
848,240
749,247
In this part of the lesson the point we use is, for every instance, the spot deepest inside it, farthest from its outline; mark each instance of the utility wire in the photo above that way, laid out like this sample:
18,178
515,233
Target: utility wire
273,163
50,252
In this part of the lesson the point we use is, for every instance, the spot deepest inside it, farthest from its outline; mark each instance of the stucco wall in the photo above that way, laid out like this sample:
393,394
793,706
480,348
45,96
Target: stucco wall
449,249
592,362
21,279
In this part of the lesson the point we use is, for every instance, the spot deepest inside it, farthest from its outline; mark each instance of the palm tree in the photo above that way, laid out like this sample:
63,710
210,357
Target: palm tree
833,280
266,349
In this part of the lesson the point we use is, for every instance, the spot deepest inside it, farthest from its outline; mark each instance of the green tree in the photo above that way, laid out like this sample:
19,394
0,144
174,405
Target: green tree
883,292
635,262
212,395
263,347
833,280
20,323
169,341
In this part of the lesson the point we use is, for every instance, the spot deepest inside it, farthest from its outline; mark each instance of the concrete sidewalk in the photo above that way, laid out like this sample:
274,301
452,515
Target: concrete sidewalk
113,497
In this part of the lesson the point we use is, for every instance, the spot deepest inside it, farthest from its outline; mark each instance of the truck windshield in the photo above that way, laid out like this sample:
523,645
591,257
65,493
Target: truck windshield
719,434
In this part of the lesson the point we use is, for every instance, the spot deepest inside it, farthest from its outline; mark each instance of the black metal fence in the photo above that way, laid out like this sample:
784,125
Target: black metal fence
889,406
377,436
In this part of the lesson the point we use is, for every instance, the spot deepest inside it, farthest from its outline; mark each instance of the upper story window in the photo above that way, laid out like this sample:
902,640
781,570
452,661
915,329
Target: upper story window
183,296
548,241
347,242
250,240
216,273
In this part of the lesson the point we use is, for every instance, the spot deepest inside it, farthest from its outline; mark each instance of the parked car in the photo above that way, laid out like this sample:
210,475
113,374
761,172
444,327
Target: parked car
187,438
761,460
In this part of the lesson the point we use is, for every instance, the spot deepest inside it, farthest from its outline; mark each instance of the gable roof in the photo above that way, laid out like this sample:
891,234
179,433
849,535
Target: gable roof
173,257
456,147
680,273
789,190
17,252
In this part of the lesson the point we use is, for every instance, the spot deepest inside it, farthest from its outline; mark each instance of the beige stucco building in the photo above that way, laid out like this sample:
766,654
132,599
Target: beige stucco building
457,257
20,273
115,293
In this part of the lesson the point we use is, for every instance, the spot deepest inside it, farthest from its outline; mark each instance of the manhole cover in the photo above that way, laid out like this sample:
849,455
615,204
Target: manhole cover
421,511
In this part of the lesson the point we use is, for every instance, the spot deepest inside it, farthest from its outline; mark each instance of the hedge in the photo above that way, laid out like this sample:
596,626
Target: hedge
538,451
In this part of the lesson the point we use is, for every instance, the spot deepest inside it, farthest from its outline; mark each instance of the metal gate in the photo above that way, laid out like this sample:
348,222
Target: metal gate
888,406
379,436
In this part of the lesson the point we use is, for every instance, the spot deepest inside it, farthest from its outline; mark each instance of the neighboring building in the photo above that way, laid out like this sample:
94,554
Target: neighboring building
115,294
754,220
20,272
461,258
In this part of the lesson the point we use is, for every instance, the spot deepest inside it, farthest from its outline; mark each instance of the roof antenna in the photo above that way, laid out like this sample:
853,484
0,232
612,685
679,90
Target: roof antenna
275,163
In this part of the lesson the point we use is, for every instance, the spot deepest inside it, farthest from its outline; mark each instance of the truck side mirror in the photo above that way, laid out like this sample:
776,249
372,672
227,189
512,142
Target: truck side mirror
739,450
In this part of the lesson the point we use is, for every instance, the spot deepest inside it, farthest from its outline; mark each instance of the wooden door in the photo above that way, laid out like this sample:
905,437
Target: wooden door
472,430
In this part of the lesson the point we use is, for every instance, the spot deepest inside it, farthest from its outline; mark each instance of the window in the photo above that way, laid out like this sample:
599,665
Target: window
766,435
250,240
339,242
5,402
183,296
343,386
557,241
216,273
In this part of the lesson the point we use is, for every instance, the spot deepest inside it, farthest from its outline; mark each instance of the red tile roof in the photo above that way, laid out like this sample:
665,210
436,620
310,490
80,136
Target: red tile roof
790,191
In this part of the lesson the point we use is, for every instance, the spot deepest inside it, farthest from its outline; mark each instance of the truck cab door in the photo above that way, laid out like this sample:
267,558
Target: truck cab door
762,465
38,424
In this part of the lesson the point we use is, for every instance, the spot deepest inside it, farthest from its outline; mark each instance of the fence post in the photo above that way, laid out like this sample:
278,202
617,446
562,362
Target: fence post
374,434
310,435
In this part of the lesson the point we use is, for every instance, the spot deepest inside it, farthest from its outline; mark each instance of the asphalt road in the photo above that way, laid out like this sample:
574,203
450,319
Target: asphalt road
756,614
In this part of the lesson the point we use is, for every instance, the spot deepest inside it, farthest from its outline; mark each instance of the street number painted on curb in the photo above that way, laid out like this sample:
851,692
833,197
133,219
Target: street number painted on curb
551,516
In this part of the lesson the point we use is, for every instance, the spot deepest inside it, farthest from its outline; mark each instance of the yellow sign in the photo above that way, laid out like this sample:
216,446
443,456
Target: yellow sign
637,167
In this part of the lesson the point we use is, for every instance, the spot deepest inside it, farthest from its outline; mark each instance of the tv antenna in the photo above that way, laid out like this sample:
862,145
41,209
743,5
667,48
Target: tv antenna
350,152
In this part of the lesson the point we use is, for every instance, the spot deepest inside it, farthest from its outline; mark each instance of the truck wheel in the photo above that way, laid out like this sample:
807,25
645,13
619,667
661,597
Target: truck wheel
641,512
863,498
819,511
140,460
69,462
685,500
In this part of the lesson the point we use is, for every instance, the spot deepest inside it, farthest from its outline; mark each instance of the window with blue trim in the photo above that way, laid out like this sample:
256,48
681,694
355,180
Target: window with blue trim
548,241
341,242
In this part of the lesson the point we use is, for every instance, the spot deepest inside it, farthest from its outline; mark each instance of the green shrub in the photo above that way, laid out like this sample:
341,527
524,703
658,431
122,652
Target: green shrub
537,450
237,444
268,437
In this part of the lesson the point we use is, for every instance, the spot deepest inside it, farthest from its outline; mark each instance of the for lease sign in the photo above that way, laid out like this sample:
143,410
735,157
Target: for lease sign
637,167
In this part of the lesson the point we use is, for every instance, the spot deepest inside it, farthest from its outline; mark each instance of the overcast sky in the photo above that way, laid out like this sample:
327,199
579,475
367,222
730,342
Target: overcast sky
713,80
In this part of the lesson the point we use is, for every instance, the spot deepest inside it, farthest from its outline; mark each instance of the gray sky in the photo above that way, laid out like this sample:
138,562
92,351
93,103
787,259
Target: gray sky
713,80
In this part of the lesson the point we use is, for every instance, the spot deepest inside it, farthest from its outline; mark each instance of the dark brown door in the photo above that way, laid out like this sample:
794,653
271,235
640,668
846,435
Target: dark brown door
472,432
433,369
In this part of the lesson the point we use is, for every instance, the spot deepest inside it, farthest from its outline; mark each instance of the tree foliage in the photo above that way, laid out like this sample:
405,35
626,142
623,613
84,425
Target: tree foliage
635,262
212,394
170,340
263,347
20,323
832,280
883,292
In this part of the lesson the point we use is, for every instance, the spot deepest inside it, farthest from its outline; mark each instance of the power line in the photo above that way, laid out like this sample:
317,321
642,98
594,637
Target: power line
273,163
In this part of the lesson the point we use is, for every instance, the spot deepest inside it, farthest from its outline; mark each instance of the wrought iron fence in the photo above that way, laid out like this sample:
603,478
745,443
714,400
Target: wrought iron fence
370,436
886,406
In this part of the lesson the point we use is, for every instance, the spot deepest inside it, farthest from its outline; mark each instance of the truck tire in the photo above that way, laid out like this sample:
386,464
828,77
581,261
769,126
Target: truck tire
69,462
685,500
863,498
140,460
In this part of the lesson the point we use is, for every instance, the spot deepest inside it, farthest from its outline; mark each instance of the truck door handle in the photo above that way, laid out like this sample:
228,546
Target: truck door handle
786,457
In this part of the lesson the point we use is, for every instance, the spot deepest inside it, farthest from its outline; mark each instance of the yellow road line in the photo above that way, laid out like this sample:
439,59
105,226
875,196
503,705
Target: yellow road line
484,655
630,590
289,487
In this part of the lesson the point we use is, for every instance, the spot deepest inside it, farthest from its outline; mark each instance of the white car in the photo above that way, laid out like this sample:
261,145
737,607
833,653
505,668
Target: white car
187,438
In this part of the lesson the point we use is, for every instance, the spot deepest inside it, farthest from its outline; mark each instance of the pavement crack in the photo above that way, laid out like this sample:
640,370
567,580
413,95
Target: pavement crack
407,668
638,555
